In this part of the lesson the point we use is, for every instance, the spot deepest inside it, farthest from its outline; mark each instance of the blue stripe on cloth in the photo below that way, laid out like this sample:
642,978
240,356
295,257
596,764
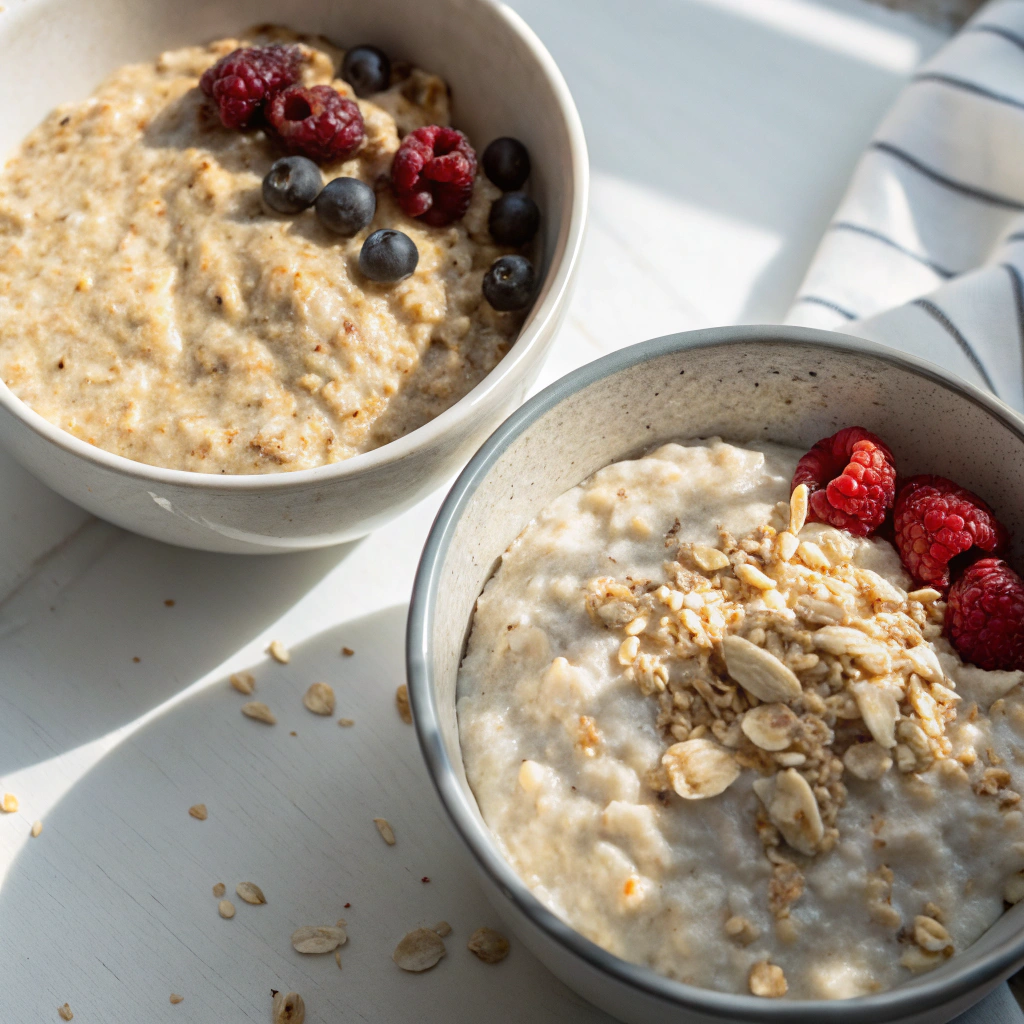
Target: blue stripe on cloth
844,225
817,300
951,329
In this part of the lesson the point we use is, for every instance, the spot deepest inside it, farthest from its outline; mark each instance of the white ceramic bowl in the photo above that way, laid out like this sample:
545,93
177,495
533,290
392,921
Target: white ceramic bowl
504,82
782,384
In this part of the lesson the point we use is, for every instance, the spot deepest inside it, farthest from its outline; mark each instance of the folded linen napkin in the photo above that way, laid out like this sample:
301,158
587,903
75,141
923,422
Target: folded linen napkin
926,250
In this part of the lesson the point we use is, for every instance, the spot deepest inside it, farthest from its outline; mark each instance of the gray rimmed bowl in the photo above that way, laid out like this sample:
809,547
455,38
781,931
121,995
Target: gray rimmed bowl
789,385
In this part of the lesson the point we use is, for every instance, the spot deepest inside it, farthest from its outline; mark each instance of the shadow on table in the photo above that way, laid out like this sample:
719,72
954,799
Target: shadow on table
111,907
109,625
733,117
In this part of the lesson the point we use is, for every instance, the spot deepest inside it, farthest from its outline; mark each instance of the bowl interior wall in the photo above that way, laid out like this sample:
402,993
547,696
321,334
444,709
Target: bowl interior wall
770,390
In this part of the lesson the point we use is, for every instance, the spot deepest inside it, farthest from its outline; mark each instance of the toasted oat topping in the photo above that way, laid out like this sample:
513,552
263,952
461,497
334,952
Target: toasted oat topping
767,980
319,699
779,655
251,893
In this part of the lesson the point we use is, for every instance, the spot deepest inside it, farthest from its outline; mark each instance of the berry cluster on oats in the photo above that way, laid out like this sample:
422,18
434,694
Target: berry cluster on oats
780,656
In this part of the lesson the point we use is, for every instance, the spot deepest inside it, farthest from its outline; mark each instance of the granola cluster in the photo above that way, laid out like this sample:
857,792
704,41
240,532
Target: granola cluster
781,656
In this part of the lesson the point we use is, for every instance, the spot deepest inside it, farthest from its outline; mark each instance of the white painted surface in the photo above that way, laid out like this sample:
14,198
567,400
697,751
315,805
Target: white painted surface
721,133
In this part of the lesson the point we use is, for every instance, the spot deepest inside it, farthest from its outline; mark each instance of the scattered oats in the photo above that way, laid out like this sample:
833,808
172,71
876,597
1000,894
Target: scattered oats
10,803
918,960
198,811
767,979
219,889
337,957
345,723
798,508
488,945
319,699
175,998
347,651
443,928
387,833
708,558
288,1009
37,827
226,909
64,1012
419,950
243,682
926,595
279,652
251,893
310,939
402,701
258,710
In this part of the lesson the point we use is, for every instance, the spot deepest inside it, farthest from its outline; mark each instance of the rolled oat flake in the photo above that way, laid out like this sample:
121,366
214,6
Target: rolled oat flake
251,893
488,945
288,1009
420,950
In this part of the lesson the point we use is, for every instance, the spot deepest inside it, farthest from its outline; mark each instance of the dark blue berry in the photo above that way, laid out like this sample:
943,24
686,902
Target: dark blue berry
388,256
346,206
366,69
508,285
507,163
514,219
292,184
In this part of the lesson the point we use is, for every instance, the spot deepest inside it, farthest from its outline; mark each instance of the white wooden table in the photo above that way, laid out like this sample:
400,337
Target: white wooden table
721,133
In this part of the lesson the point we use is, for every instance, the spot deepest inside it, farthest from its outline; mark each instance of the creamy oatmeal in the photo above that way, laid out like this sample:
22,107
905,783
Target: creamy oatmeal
732,746
150,303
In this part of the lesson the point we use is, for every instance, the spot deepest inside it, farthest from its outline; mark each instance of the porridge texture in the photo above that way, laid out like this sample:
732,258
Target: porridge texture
735,747
151,305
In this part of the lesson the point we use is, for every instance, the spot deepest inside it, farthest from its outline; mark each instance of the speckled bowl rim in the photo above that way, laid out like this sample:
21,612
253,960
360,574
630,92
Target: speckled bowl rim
554,289
890,1005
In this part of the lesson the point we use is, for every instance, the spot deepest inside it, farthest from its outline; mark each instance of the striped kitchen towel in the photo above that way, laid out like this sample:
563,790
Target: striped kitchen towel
926,251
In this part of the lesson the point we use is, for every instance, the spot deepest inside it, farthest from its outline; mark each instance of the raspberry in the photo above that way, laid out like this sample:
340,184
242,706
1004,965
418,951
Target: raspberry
432,174
936,520
318,123
244,80
852,479
985,615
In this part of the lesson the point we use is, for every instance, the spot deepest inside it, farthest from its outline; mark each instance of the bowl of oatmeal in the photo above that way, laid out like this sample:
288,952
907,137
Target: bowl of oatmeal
715,653
263,289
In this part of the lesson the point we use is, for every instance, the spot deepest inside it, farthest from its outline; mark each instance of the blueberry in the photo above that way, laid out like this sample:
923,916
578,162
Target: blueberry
292,184
514,219
388,256
366,69
507,163
346,206
508,285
